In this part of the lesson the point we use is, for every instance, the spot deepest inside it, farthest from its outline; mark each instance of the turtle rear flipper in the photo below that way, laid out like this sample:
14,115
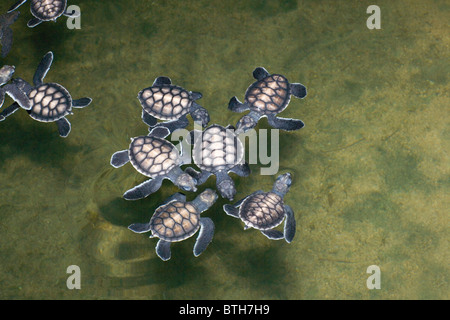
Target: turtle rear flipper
289,225
139,227
148,119
273,234
163,250
285,124
34,22
9,111
298,90
144,189
236,106
16,5
64,127
42,69
81,103
120,158
205,236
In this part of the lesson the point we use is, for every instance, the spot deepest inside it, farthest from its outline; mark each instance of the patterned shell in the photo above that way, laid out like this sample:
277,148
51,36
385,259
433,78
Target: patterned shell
219,149
269,95
48,9
153,156
175,221
165,102
50,102
262,211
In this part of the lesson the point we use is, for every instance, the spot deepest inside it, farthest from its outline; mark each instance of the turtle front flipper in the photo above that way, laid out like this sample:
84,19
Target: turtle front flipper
9,111
273,234
260,73
16,5
180,123
17,95
64,127
163,250
120,158
139,227
205,236
231,210
43,68
160,81
236,106
144,189
285,124
242,170
81,103
6,41
201,177
289,225
148,119
34,22
298,90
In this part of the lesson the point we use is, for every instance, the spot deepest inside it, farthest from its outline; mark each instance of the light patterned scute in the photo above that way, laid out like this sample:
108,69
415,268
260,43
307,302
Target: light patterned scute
153,156
175,221
165,102
48,9
269,95
50,102
262,211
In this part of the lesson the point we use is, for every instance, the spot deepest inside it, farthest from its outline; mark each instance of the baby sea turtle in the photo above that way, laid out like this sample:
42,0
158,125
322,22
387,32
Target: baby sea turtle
266,98
45,10
157,158
217,150
176,220
165,101
6,73
6,33
266,210
50,102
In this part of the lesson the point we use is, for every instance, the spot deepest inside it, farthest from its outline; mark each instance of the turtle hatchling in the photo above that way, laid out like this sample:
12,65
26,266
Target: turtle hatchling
267,97
157,158
50,102
165,101
6,73
266,210
177,220
45,10
6,33
217,150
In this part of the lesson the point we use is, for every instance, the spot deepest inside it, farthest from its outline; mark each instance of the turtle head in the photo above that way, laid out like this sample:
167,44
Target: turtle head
6,73
208,197
226,188
186,182
201,116
245,123
282,184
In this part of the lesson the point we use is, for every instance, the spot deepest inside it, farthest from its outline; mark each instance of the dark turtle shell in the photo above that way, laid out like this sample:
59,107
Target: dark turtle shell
217,149
166,102
153,156
175,221
270,95
47,10
50,102
262,211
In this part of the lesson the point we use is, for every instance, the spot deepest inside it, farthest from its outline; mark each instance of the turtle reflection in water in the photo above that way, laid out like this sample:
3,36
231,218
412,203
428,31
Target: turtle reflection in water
176,220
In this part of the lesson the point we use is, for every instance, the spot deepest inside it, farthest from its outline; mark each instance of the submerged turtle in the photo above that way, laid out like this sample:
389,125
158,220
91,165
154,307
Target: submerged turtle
176,220
172,103
266,210
266,98
157,158
45,10
218,150
6,33
50,102
6,73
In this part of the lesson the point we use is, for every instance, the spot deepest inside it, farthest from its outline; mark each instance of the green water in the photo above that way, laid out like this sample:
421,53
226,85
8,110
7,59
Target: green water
371,167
